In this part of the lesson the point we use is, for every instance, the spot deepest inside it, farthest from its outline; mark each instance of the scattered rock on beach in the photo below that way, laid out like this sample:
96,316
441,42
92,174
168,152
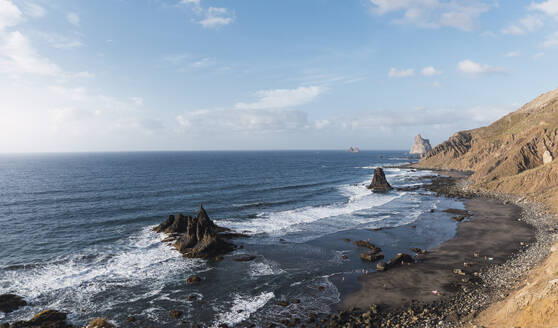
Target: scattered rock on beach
11,302
371,256
367,244
379,181
400,258
381,266
458,218
457,212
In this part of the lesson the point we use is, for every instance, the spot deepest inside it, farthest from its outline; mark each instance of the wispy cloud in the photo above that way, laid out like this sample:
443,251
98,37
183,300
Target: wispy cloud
551,40
399,73
283,98
549,7
73,18
525,25
459,14
470,67
217,17
515,53
430,71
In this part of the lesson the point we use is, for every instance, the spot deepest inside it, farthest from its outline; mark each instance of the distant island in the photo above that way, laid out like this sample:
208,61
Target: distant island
421,146
353,150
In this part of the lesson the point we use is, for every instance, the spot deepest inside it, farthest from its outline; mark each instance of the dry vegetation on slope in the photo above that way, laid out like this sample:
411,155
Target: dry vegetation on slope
514,155
509,155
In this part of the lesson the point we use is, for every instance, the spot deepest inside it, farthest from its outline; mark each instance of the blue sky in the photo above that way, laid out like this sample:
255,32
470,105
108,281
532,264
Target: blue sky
274,74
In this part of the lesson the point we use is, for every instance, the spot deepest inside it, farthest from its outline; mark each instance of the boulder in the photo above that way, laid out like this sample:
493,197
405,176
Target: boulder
193,279
371,256
244,258
379,181
381,266
175,314
11,302
367,244
196,237
45,319
400,258
457,212
421,146
458,218
100,323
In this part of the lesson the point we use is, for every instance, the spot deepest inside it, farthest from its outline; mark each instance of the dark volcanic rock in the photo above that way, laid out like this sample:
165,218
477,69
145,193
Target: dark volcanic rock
197,237
245,258
193,280
45,319
379,181
11,302
400,258
371,256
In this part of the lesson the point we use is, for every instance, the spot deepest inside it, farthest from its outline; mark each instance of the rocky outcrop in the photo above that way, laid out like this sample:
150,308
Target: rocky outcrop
353,150
11,302
512,155
196,237
547,157
379,181
421,146
45,319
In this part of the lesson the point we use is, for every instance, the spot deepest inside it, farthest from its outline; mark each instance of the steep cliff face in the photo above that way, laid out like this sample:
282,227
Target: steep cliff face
513,155
421,146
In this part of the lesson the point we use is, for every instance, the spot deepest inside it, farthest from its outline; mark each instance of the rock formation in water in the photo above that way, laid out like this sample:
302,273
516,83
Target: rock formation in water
45,319
11,302
196,237
354,150
379,181
421,146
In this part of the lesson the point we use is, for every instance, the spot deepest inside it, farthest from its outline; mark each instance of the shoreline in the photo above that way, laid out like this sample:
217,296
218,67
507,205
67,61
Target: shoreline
404,296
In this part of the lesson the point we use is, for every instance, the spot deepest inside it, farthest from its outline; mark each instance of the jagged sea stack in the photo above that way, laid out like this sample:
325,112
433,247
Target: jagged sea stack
197,237
379,181
421,146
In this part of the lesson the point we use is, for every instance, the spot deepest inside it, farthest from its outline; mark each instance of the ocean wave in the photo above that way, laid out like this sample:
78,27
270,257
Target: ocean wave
74,284
243,307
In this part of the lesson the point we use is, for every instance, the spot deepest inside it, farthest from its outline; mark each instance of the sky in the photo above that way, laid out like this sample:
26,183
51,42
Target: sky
141,75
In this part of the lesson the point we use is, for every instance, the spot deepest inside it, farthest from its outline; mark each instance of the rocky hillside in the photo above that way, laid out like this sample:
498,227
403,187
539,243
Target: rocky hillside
512,155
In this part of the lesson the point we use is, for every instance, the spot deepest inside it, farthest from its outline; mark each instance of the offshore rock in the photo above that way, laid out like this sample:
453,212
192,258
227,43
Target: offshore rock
198,237
379,181
11,302
421,146
45,319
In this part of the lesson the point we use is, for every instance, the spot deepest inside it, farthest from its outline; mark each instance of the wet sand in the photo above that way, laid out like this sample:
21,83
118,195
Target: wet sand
493,231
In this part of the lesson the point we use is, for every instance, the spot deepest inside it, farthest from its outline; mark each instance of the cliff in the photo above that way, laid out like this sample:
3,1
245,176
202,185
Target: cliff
512,155
421,146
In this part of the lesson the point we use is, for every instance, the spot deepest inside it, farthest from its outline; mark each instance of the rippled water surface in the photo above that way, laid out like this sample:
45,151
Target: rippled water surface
76,231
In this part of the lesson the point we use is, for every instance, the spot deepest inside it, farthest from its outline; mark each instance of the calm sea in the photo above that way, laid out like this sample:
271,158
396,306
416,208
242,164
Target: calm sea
76,231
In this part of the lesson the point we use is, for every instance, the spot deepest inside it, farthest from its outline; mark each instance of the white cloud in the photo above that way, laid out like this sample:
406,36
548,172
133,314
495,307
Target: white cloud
10,14
551,40
84,75
460,14
61,41
538,55
396,73
17,56
243,120
526,24
472,68
283,98
137,100
217,17
73,18
515,53
430,71
33,9
549,7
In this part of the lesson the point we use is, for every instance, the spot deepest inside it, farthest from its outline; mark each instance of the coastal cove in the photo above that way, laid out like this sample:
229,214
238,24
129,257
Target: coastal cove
302,224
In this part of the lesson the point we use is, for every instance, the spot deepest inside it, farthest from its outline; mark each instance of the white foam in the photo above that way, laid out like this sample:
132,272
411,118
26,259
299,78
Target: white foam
243,307
75,282
259,269
280,223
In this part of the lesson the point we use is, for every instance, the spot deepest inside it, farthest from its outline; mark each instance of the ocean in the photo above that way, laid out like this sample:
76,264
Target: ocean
76,231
